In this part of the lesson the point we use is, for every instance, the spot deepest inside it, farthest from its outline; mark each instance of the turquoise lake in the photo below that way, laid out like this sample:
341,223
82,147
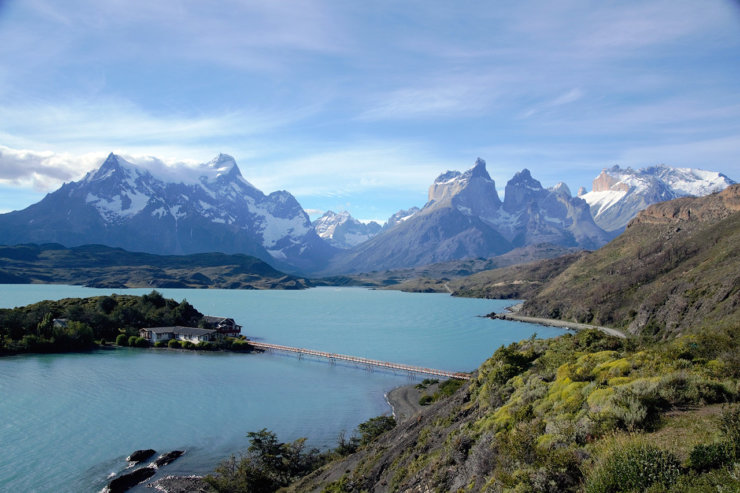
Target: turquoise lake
68,421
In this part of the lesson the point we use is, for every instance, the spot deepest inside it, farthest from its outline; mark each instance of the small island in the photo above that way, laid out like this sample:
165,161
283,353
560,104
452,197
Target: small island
80,324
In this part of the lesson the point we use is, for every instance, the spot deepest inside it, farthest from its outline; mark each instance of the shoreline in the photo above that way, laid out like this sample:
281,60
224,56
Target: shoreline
513,316
404,400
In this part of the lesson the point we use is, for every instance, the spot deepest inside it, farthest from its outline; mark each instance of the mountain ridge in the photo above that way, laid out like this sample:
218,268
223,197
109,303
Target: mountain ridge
209,209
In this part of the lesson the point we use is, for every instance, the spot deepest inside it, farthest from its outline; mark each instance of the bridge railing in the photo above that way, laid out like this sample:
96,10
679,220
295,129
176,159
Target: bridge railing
361,361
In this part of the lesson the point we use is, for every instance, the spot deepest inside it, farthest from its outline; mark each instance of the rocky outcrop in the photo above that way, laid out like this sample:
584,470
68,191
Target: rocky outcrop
127,481
167,458
674,269
711,208
140,455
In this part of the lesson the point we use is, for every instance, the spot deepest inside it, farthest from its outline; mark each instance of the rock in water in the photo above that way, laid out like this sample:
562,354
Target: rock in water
128,481
140,455
165,459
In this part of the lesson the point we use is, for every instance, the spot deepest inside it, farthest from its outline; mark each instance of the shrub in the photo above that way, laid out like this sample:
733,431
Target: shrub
240,345
141,342
187,345
160,344
121,340
425,400
205,346
374,427
132,341
636,467
730,427
173,343
706,457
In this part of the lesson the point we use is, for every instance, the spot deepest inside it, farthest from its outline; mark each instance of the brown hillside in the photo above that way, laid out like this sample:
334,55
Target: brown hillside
676,267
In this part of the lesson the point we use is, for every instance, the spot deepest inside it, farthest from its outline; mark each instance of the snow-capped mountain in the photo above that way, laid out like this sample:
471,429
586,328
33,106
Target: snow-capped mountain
172,211
465,218
619,194
400,217
344,231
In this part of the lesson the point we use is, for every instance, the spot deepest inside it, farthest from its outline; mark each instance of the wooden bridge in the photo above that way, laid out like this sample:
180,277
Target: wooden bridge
360,361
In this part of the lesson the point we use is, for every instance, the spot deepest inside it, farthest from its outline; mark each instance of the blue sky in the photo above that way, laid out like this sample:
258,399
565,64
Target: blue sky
360,105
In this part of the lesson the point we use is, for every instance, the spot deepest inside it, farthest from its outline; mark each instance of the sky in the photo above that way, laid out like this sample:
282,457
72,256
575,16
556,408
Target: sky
359,106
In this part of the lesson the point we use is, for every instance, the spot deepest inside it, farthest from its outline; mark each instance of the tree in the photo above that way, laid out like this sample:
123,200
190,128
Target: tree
374,427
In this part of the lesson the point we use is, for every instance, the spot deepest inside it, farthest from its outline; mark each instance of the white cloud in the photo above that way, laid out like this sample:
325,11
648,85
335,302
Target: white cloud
43,171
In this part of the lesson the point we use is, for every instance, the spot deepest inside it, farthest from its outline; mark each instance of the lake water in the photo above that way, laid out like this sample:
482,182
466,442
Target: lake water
68,421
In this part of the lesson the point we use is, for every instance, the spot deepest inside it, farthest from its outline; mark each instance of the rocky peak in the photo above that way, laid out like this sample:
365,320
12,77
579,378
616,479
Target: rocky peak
561,189
582,191
112,165
605,182
521,190
400,217
475,180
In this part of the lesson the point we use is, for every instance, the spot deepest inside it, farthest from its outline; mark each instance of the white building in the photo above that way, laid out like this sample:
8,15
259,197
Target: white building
192,334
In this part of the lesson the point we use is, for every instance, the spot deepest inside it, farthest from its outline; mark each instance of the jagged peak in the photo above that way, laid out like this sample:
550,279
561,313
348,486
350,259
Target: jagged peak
479,169
524,178
112,165
224,164
561,189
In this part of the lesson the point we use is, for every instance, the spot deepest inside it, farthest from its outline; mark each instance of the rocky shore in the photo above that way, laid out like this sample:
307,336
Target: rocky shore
404,401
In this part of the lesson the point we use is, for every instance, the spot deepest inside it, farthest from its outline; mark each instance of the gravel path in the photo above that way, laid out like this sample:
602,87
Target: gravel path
558,323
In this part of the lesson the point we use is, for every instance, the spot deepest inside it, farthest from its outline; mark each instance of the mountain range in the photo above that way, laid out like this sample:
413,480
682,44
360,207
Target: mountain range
464,217
213,208
344,231
618,194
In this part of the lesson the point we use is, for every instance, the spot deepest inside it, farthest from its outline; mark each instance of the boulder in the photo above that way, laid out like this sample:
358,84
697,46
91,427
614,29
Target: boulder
140,455
127,481
165,459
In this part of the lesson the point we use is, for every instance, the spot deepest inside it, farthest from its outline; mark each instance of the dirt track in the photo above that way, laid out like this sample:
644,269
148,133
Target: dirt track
558,323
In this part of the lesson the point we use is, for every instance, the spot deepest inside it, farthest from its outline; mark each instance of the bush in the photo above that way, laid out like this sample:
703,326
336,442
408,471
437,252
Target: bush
374,427
706,457
240,345
160,344
121,340
173,343
141,342
634,467
425,400
205,346
187,345
132,341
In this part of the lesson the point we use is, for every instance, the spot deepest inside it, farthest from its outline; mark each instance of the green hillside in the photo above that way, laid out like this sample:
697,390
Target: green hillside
106,267
675,269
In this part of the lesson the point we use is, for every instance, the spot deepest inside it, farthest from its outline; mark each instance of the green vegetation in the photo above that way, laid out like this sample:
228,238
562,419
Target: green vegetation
107,267
81,321
581,412
634,468
270,464
444,389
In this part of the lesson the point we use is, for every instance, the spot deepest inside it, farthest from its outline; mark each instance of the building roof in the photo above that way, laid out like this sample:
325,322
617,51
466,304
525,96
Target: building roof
213,320
180,330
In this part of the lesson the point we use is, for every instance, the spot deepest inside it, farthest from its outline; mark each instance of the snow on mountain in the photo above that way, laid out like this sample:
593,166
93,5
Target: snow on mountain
400,217
164,210
343,231
619,194
465,218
